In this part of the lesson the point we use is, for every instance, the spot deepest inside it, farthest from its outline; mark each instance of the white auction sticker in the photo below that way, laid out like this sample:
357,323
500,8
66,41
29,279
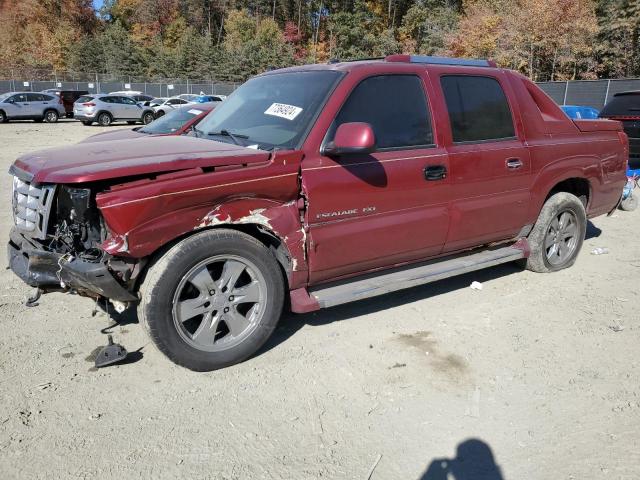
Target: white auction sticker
193,111
283,110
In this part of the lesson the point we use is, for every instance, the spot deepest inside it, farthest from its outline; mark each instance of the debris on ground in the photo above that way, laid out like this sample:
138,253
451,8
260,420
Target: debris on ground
112,353
600,251
476,286
616,328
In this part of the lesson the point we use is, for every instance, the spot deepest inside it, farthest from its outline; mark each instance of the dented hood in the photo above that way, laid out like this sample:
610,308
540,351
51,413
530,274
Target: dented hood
89,162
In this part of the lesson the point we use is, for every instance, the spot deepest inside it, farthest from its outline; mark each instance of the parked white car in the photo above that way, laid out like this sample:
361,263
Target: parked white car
169,105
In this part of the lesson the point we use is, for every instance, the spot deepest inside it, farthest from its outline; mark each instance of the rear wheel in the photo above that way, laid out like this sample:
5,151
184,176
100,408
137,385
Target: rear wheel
3,117
557,236
51,116
147,118
105,119
212,300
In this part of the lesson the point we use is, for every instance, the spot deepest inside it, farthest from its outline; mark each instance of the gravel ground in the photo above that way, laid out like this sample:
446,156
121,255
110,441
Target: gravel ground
542,370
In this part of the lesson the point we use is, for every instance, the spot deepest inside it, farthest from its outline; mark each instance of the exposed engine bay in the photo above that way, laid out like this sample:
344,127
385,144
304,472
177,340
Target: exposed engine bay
55,243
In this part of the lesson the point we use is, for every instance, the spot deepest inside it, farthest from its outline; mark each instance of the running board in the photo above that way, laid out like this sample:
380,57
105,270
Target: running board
400,278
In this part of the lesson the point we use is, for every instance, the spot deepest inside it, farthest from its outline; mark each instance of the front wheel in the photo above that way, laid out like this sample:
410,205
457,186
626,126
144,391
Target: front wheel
3,117
212,300
147,118
557,236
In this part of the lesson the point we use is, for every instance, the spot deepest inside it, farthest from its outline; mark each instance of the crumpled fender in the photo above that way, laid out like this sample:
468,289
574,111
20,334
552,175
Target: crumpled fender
279,219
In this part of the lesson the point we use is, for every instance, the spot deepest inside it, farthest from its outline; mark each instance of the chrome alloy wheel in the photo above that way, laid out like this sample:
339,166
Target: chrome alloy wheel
219,302
562,238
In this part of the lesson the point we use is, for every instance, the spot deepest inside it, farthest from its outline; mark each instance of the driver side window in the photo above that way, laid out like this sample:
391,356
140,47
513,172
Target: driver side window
396,108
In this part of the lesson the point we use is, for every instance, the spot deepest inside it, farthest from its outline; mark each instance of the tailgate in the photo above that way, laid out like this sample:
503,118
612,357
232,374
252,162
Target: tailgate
599,125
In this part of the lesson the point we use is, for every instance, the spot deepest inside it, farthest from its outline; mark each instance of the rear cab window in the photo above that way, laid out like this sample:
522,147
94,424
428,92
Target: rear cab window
395,105
478,109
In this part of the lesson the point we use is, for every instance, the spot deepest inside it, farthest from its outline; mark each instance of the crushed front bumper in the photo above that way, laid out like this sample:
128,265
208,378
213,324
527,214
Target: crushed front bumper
53,271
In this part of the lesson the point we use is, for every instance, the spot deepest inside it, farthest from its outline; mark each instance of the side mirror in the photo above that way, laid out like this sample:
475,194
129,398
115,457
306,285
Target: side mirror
351,138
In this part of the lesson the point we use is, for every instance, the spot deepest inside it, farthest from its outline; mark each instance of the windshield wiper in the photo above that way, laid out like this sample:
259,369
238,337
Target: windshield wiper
232,136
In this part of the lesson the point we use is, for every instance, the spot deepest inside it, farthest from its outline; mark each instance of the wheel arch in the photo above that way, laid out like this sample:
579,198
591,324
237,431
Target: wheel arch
276,225
576,181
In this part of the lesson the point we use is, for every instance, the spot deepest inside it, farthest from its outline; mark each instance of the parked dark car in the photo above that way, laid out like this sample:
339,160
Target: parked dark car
176,122
67,97
314,186
625,107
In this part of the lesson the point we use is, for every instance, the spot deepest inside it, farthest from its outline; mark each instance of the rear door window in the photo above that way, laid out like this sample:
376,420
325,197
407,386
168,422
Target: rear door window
478,108
396,108
35,97
108,99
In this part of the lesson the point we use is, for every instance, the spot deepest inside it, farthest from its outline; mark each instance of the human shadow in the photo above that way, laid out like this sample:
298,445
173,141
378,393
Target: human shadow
473,461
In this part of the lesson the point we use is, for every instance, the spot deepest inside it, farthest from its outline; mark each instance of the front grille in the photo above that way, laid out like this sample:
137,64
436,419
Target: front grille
31,207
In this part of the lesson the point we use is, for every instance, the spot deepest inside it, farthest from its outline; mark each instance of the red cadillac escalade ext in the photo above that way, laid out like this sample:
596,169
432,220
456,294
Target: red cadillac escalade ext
314,186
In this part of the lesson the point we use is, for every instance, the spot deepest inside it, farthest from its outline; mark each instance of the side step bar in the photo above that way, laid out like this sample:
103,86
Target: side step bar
383,282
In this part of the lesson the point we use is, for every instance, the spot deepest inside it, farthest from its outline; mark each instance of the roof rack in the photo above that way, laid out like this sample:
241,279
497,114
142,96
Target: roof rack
337,60
466,62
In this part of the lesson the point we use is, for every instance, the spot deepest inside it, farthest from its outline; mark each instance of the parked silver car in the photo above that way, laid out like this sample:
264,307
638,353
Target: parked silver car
169,105
106,109
30,106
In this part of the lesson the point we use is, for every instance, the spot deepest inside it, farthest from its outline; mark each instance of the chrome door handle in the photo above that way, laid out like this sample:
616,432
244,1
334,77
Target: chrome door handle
514,163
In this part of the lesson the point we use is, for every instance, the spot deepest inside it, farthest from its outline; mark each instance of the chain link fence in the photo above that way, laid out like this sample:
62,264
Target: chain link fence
592,93
37,80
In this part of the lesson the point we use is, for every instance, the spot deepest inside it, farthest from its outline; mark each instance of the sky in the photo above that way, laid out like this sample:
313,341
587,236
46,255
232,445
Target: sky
97,4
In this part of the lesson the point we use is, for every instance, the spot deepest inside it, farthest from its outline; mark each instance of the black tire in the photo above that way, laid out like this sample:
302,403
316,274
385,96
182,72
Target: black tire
629,204
131,122
163,283
104,119
51,116
544,232
147,118
159,113
3,117
87,122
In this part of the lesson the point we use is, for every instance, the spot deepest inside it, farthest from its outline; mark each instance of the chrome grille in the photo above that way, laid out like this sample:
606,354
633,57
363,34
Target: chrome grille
31,207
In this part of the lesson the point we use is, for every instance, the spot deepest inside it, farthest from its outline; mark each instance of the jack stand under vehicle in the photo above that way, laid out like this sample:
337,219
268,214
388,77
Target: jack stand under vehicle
112,353
32,300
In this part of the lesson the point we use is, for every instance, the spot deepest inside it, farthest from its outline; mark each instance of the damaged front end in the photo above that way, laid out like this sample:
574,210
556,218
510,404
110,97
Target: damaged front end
54,243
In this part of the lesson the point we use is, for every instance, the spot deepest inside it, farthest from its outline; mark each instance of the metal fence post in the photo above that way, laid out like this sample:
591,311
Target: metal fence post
606,95
566,90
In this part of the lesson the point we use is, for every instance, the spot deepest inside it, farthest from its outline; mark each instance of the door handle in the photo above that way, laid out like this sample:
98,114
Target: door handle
435,172
514,163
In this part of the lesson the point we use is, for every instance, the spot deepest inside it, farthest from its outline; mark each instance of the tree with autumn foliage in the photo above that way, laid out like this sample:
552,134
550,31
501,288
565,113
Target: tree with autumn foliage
233,39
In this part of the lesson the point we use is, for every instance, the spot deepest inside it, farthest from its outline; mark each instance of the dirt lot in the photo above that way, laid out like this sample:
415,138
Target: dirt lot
544,369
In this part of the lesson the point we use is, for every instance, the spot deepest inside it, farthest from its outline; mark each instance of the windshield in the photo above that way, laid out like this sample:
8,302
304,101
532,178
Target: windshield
270,111
172,121
4,96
